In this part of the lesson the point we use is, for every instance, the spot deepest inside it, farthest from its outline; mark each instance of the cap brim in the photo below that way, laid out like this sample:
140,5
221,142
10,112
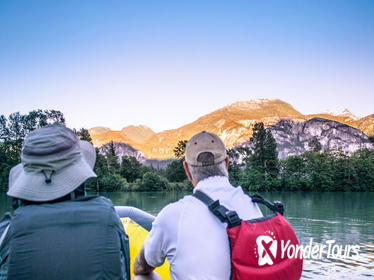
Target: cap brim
32,186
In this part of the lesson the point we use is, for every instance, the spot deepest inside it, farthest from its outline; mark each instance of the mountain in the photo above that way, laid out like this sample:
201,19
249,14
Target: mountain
233,123
348,114
137,133
123,149
345,114
130,135
293,137
365,124
98,130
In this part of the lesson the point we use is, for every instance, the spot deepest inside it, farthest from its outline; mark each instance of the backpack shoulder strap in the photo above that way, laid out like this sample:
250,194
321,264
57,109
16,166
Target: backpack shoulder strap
4,238
276,206
221,212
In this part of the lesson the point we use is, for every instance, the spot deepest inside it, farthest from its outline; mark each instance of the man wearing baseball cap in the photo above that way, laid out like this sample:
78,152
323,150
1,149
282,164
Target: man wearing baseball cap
193,240
58,232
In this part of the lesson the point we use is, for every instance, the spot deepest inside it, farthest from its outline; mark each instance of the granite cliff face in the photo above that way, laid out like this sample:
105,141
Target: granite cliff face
293,137
123,149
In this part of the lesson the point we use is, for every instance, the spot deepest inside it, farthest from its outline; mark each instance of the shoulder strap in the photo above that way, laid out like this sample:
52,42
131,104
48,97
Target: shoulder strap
4,239
276,206
221,212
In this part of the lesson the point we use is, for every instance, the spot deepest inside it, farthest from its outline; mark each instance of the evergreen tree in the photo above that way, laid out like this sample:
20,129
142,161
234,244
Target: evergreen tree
257,159
271,162
180,149
175,172
237,158
112,158
83,134
293,173
131,169
154,182
265,156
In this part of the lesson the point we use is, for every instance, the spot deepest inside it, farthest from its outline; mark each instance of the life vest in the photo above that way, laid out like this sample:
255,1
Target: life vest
73,239
256,244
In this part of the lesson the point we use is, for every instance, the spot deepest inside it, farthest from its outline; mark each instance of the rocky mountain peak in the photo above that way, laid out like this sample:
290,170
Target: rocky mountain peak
348,114
294,137
138,133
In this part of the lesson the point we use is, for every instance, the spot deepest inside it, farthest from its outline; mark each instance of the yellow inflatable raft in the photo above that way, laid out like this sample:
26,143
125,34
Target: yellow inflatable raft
137,234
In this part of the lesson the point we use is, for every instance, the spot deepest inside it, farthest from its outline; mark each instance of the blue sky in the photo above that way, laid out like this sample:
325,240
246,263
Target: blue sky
166,63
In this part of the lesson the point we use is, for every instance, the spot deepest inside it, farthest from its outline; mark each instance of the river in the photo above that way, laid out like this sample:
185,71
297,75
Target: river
347,218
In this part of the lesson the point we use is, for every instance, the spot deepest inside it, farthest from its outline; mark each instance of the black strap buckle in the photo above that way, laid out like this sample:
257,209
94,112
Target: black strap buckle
232,219
218,210
221,212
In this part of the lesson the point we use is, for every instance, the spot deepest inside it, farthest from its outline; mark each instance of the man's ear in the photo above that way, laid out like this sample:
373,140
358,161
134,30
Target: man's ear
188,173
227,162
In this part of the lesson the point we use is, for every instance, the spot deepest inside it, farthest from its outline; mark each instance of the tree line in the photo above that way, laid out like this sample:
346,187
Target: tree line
255,167
314,170
113,173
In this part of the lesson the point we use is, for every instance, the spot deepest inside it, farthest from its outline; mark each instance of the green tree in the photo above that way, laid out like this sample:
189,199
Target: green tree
293,173
113,182
112,158
154,182
314,145
237,158
257,159
319,171
101,169
83,134
131,169
271,162
341,170
180,149
13,131
175,172
362,162
262,167
265,155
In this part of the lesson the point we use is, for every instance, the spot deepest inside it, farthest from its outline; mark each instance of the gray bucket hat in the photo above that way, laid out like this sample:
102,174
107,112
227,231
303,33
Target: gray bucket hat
54,162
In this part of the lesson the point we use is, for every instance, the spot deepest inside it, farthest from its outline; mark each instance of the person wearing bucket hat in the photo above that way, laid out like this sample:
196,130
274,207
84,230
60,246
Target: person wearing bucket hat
54,162
184,232
58,232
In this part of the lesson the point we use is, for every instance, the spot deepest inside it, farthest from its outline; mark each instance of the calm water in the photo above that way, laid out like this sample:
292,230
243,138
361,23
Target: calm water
347,218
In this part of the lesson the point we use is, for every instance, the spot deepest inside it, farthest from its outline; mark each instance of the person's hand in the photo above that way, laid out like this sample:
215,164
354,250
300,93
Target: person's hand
152,276
140,266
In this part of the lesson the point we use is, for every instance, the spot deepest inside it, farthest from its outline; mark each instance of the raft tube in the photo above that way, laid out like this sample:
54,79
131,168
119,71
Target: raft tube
137,224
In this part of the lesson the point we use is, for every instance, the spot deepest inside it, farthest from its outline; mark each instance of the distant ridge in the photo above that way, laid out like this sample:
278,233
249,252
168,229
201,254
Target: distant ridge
233,123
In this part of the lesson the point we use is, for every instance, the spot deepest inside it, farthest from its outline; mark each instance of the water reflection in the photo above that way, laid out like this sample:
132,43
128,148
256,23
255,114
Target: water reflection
347,218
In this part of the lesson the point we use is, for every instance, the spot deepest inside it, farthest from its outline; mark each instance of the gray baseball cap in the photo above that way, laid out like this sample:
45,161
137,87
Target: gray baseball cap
54,162
204,149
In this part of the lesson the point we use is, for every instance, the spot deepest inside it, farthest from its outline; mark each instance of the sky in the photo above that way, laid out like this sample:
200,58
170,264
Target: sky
163,64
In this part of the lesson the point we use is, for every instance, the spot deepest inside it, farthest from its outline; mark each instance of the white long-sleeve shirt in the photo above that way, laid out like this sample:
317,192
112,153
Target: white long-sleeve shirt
193,240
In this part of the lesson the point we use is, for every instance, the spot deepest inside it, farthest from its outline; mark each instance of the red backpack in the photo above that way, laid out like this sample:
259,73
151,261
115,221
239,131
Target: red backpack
256,244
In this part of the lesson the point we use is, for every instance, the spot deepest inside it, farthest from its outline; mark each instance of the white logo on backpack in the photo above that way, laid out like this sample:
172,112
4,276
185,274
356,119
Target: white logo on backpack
267,249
